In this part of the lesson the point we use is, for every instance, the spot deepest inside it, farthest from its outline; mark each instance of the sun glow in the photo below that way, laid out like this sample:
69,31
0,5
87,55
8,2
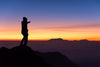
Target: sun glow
46,34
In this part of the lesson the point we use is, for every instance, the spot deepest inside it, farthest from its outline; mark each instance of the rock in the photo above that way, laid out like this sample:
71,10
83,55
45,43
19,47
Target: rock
24,56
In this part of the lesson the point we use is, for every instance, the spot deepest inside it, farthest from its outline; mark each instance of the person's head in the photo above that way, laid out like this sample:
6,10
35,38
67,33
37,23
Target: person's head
24,19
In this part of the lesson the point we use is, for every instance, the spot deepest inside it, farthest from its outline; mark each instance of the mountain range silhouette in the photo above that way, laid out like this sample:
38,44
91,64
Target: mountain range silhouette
24,56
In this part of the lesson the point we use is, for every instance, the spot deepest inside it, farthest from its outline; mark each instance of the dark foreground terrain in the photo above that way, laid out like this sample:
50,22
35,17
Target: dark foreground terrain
24,56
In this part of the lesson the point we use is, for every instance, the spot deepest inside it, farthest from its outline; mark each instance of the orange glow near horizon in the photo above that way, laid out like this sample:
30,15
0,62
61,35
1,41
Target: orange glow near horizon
45,33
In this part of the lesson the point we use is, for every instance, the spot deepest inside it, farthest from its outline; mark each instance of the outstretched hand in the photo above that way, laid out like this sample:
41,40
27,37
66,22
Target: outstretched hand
29,22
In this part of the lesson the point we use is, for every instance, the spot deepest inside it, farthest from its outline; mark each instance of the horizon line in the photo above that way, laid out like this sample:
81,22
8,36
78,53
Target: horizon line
45,39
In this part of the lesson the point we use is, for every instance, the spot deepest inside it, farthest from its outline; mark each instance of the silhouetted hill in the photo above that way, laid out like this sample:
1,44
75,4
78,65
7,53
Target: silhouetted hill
57,39
24,56
56,59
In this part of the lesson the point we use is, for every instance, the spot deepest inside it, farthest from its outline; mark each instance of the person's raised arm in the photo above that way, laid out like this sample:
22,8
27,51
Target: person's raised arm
28,22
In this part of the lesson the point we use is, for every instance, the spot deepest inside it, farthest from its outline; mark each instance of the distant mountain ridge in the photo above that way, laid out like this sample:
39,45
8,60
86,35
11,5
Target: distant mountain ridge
60,39
24,56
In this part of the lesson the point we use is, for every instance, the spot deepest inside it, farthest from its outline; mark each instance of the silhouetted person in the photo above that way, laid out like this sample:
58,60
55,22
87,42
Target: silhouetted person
24,31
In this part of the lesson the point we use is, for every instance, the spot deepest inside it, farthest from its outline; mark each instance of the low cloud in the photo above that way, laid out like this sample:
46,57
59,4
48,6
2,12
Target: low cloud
75,28
71,27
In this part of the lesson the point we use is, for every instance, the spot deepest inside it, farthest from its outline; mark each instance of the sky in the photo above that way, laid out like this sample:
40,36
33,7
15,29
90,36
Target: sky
67,19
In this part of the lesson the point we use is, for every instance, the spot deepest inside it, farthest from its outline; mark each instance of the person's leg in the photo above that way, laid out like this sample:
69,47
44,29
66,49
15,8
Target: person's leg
22,40
26,39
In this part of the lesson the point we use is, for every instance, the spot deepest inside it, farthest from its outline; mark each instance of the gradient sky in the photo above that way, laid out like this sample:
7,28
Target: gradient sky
67,19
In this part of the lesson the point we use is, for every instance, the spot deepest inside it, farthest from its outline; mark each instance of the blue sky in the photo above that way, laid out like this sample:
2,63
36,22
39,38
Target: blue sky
53,9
